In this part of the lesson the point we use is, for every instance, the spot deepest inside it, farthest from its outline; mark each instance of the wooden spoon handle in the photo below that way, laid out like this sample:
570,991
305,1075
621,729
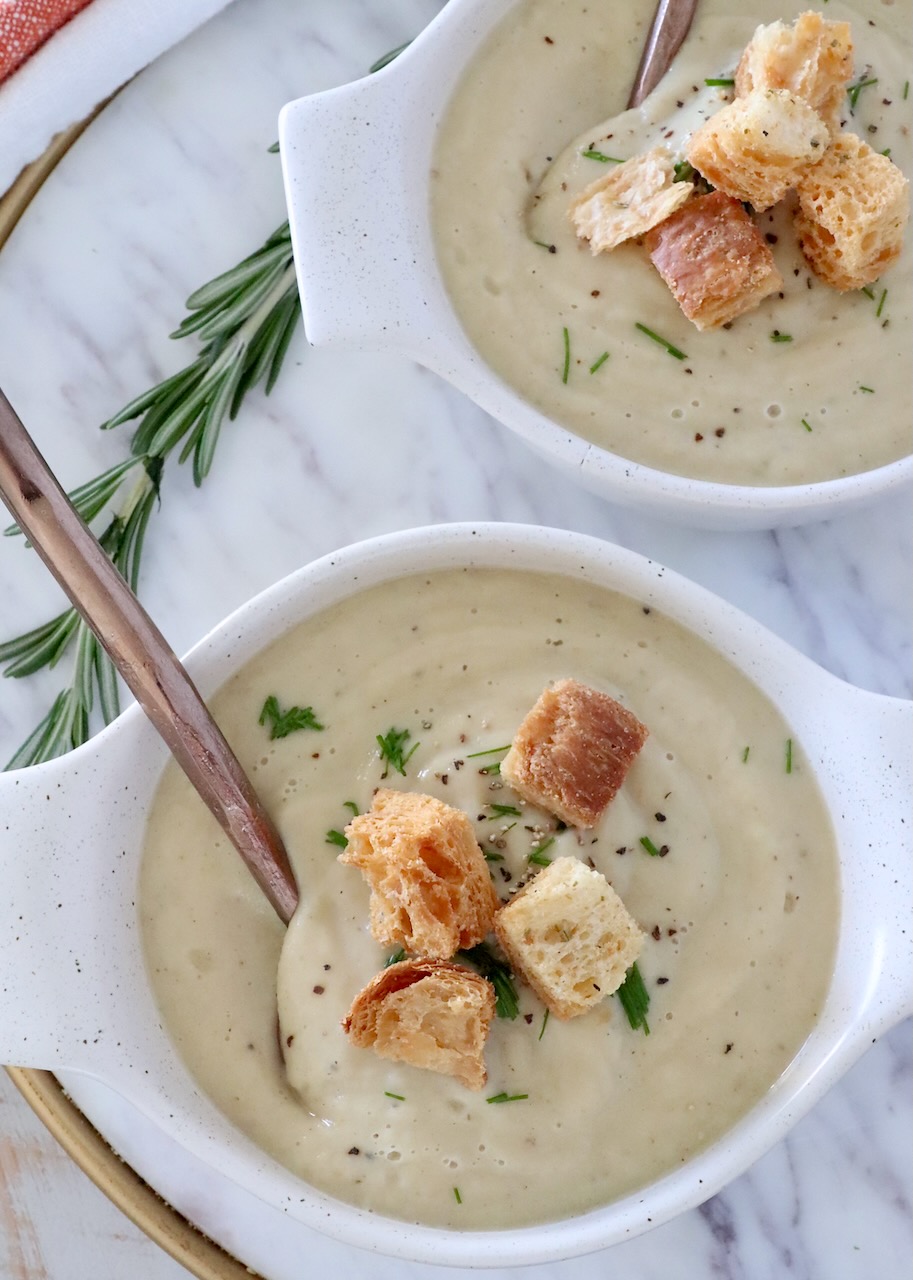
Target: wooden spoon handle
671,24
142,656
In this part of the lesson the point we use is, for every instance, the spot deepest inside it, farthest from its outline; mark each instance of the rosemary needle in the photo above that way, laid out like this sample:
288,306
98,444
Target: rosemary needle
245,318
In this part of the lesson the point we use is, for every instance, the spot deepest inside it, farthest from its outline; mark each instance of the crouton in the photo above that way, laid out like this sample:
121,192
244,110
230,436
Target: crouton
572,752
429,1013
714,259
569,936
812,58
629,200
430,888
757,147
853,209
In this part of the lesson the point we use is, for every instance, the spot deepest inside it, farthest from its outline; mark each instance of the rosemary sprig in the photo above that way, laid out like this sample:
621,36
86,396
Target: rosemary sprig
245,319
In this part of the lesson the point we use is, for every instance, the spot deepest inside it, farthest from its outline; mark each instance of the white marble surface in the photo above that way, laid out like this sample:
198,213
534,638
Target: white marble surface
172,184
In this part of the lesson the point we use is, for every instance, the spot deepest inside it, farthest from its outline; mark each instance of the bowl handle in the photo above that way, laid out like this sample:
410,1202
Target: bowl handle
356,165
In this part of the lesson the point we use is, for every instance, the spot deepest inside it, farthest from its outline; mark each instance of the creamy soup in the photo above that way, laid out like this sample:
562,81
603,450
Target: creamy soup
829,397
739,904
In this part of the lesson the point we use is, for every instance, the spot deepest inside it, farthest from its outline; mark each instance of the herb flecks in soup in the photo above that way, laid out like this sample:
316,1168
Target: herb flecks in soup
587,339
738,906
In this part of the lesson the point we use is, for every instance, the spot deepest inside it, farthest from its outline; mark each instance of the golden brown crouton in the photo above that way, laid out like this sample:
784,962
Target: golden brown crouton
569,935
853,209
757,147
572,752
812,58
430,888
714,259
428,1013
628,201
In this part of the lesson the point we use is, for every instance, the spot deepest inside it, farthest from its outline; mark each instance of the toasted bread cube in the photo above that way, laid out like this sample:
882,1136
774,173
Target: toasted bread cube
572,752
714,259
853,210
429,1013
757,147
430,888
569,936
628,201
812,58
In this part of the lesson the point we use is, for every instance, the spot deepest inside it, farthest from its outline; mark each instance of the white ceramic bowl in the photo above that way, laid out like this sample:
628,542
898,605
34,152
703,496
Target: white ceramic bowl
75,993
357,163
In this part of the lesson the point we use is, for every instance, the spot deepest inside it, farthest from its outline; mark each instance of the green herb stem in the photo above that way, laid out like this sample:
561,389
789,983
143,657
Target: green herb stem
667,346
635,999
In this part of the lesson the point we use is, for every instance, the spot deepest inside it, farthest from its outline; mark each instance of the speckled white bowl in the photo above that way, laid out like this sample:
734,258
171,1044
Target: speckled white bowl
75,993
357,163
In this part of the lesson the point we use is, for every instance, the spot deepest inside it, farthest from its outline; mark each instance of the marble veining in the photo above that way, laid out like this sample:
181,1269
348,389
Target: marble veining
172,184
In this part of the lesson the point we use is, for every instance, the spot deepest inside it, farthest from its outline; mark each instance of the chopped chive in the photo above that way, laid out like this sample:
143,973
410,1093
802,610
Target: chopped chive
544,1024
777,336
854,91
456,1195
590,154
721,82
395,957
491,768
598,363
870,390
391,745
507,1097
887,152
398,1096
806,424
351,806
673,351
906,90
651,847
745,755
507,1004
635,999
490,856
505,811
542,245
789,755
491,751
282,723
683,171
337,838
538,854
881,302
567,355
869,293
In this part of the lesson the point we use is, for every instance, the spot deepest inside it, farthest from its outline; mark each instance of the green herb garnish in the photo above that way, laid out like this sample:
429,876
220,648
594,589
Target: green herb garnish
777,336
490,855
457,1196
673,351
538,854
591,154
351,806
395,957
870,390
507,1097
398,1096
635,999
497,971
745,755
719,82
544,1024
505,811
881,302
337,838
282,723
567,355
806,424
789,755
490,751
392,750
599,362
651,847
683,171
854,91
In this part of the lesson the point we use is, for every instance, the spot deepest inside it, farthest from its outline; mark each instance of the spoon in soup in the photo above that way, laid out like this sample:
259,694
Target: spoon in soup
142,655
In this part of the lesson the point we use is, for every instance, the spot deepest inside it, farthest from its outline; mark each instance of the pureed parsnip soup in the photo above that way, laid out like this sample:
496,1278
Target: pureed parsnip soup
811,386
739,902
